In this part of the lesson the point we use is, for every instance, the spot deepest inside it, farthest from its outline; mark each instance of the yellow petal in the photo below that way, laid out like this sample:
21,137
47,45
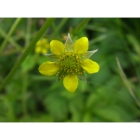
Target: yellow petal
44,51
81,45
48,68
70,82
47,46
38,43
90,66
38,49
57,47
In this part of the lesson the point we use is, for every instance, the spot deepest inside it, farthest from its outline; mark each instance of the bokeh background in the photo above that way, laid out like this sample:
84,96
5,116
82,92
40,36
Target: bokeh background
32,97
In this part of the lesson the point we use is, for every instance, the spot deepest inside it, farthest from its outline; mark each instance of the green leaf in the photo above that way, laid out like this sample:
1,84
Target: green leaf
29,63
88,117
109,114
56,106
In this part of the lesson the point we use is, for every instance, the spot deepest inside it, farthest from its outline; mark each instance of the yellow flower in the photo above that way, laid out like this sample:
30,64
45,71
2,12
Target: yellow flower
42,46
70,62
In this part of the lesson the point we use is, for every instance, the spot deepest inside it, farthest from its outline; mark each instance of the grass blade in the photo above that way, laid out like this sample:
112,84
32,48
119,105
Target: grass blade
81,26
27,51
9,34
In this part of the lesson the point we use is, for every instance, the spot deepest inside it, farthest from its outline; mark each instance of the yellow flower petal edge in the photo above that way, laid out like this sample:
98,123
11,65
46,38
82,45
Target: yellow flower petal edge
48,68
90,66
70,82
81,45
57,47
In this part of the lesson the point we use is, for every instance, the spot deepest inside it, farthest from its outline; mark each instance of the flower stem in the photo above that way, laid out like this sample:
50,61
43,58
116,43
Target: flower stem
11,40
9,34
24,95
27,51
28,31
126,82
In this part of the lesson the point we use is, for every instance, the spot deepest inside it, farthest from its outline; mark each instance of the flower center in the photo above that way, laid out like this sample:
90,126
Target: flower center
69,64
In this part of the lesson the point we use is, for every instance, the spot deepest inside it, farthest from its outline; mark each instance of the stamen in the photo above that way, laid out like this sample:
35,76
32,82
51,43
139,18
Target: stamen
69,63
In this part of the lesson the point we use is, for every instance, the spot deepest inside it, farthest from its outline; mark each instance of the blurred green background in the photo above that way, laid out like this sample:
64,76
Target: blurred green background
31,97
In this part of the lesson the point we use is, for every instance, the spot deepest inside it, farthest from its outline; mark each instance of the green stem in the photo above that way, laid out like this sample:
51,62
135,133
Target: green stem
9,34
98,39
126,82
54,29
24,89
11,40
59,26
81,26
27,51
28,31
